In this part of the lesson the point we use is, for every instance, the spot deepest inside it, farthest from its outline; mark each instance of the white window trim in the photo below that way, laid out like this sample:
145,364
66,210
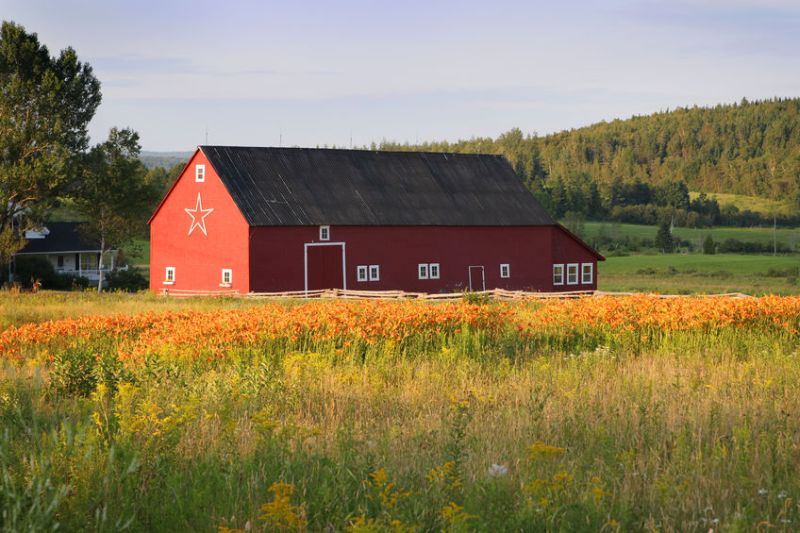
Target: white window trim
431,267
590,272
327,231
168,281
422,271
561,267
577,273
361,273
507,268
223,283
198,170
376,270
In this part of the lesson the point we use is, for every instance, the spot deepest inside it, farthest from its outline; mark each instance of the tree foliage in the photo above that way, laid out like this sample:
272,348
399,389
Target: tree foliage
46,104
750,148
114,192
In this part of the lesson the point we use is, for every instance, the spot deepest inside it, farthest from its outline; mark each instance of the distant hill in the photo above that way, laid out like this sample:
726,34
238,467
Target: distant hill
748,148
164,159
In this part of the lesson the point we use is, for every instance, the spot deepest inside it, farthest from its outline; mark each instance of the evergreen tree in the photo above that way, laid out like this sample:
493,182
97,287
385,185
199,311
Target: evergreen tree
709,246
664,241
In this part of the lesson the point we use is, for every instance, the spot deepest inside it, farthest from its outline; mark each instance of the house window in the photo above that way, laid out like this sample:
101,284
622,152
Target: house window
60,261
374,273
324,233
227,277
199,173
361,273
89,261
558,274
505,270
422,271
169,275
433,270
572,274
587,273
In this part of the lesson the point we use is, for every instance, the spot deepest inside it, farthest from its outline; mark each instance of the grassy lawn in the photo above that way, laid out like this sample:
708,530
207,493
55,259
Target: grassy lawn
697,273
788,236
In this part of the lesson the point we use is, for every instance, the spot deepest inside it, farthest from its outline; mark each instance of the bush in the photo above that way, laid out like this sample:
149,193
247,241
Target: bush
29,268
130,280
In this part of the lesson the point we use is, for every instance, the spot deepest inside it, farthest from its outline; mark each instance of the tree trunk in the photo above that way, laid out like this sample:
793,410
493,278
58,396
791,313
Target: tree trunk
100,264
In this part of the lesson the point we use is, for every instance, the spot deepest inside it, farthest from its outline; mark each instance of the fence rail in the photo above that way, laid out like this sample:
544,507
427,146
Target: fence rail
494,294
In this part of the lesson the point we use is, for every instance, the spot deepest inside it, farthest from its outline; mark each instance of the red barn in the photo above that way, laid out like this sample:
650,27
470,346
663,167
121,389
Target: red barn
287,219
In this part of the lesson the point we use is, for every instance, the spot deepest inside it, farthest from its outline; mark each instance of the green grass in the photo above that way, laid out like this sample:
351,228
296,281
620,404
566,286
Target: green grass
765,206
698,273
787,236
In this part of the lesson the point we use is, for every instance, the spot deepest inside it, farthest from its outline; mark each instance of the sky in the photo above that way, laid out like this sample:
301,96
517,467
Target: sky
303,73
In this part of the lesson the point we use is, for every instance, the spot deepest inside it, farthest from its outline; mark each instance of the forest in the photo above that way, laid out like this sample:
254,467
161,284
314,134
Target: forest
641,169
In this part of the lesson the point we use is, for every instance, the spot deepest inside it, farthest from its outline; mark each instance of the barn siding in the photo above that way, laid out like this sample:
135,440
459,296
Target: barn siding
198,258
277,256
568,250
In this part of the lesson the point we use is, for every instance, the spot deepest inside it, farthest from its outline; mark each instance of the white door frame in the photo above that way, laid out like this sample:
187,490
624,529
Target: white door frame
483,276
305,262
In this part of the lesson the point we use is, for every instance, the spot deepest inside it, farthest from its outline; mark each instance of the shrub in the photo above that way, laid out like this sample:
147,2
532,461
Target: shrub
130,280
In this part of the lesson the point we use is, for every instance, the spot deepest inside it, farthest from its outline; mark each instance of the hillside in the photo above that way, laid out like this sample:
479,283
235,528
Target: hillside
164,159
749,148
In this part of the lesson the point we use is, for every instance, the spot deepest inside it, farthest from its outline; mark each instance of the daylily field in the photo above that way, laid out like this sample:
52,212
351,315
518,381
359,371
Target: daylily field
596,414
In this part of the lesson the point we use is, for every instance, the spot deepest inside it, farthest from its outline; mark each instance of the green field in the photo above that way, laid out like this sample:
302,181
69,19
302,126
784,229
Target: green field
788,236
698,273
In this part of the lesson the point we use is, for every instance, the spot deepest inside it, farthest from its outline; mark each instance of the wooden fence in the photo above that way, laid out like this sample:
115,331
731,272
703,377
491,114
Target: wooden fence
494,294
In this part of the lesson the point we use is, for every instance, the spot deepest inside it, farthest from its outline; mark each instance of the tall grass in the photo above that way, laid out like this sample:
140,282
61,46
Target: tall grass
469,428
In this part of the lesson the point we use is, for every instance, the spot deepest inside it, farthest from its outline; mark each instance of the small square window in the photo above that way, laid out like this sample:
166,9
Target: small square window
558,274
374,273
361,273
572,274
324,233
433,270
422,271
60,261
505,270
227,276
169,275
587,273
199,173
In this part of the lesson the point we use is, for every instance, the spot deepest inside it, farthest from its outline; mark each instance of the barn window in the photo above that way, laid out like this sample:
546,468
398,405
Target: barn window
505,270
227,277
169,275
433,270
374,273
361,273
558,274
422,271
199,173
324,233
572,274
587,273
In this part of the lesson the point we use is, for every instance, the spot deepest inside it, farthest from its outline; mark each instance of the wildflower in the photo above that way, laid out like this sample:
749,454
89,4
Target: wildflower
497,470
782,494
762,492
540,449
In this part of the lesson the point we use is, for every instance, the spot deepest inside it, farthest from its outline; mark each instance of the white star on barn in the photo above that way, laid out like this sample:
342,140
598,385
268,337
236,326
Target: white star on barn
198,215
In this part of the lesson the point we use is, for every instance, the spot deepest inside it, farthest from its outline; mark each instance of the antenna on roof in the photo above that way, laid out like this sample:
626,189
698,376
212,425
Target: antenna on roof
351,139
206,133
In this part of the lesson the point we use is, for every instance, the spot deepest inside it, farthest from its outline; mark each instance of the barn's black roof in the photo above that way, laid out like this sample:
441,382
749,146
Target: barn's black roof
63,237
306,186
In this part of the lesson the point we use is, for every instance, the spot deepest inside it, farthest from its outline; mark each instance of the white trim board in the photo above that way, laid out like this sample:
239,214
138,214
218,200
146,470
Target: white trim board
305,262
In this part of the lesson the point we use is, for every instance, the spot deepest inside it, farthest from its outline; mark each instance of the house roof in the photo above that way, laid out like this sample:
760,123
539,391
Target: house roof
62,237
306,186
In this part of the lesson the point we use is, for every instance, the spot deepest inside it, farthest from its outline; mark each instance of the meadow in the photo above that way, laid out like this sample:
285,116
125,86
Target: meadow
682,273
599,414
